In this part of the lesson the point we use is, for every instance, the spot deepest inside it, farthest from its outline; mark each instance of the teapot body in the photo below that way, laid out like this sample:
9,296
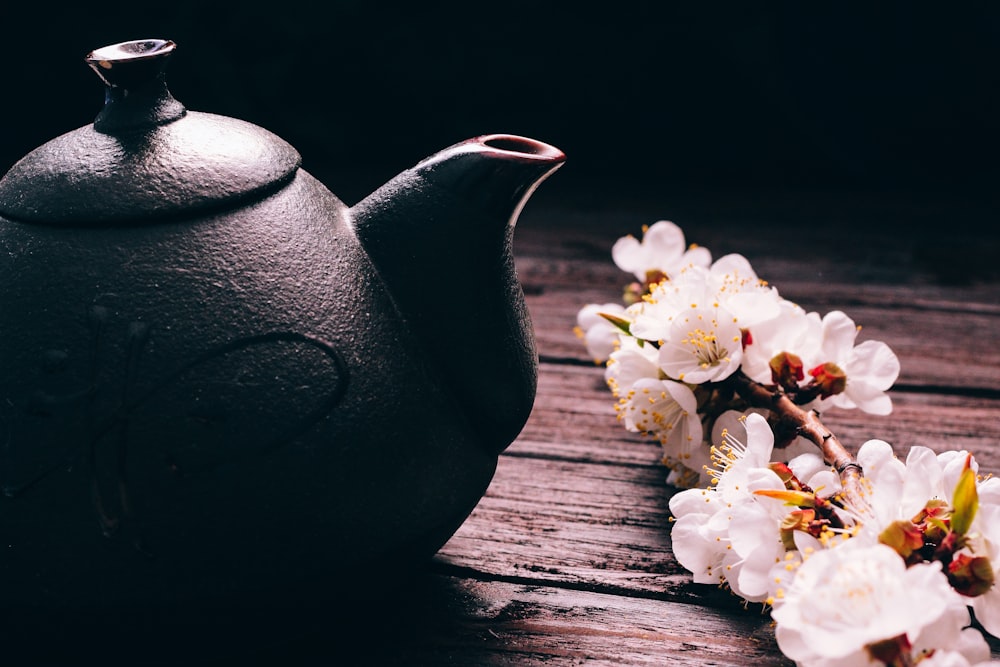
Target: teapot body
224,405
219,385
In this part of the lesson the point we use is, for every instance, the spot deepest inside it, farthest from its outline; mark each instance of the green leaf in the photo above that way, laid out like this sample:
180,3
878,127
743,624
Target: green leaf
619,322
965,500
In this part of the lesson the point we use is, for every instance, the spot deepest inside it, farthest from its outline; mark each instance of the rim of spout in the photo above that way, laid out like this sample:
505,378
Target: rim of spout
524,147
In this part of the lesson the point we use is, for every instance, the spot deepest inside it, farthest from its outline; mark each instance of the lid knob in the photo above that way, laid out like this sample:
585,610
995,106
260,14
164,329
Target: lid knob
136,94
145,158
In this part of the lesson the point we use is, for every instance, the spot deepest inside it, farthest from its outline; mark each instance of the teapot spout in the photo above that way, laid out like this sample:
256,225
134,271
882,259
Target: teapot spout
440,236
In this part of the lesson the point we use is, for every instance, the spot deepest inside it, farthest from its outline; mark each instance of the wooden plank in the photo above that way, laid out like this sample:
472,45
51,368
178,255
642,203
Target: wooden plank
439,617
503,623
573,419
433,616
798,279
853,244
603,527
593,511
936,346
566,268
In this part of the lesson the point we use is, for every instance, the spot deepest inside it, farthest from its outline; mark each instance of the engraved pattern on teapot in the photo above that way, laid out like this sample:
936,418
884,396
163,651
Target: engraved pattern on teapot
118,388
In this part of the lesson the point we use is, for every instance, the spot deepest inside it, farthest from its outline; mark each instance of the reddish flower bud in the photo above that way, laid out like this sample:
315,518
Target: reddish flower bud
788,477
970,575
830,379
904,537
786,370
890,651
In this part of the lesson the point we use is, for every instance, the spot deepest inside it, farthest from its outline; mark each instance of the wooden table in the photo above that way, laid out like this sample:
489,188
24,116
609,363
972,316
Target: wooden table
567,559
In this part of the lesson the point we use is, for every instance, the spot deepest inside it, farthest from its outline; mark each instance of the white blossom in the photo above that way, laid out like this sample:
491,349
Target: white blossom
668,411
871,368
728,533
843,599
801,454
792,331
634,360
662,248
600,336
652,317
736,287
702,345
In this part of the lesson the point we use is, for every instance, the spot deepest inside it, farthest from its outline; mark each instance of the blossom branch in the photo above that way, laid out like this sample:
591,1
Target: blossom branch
806,423
701,347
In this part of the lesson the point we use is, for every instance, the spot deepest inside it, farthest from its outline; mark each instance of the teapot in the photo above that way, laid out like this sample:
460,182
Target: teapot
218,381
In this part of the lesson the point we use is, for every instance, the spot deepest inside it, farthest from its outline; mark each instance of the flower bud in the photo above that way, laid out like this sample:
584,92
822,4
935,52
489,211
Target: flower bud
830,378
970,575
795,520
791,482
934,520
786,370
890,651
903,536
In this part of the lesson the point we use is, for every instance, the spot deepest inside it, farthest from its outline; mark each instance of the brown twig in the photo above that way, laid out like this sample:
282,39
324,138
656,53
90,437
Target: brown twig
805,423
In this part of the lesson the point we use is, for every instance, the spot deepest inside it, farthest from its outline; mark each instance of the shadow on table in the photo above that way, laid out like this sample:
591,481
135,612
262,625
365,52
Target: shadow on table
382,619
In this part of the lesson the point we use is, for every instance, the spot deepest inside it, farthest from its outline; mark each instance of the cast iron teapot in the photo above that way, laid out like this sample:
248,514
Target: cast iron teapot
219,380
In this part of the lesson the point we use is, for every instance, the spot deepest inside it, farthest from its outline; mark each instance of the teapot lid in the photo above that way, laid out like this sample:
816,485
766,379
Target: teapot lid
145,157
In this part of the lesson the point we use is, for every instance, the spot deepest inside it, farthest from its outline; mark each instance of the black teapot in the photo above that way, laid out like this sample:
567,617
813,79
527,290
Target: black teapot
218,380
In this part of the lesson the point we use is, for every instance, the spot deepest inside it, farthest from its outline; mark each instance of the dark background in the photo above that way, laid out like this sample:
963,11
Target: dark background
737,105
